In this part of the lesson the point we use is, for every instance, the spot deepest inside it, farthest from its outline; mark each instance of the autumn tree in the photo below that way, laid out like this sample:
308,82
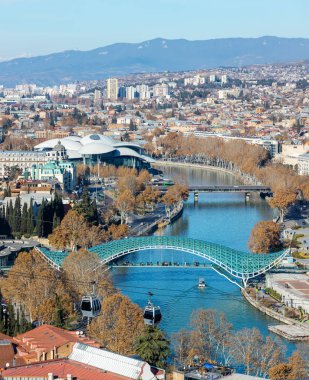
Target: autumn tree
34,285
124,204
211,335
264,237
81,269
181,342
115,232
280,371
119,324
75,232
281,200
254,353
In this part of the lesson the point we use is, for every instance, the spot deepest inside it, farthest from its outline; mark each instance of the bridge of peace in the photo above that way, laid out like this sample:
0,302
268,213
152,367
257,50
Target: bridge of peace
237,266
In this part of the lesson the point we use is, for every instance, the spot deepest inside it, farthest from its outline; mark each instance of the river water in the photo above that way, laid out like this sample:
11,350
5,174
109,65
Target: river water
221,218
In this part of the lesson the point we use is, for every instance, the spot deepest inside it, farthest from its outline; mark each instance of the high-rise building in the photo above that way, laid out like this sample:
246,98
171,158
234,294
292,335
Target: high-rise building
212,78
112,88
97,95
224,79
160,90
130,92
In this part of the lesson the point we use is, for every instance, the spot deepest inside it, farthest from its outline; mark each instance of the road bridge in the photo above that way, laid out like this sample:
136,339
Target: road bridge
235,265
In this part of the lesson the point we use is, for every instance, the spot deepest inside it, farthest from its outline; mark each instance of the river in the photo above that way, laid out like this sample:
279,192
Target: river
221,218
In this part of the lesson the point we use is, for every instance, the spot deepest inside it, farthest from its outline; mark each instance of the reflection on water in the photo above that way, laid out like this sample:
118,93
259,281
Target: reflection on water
220,218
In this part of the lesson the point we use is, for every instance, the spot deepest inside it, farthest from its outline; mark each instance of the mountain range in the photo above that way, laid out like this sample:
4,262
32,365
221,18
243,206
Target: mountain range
151,56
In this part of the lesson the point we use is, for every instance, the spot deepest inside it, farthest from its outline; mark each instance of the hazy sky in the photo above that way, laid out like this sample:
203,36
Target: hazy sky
34,27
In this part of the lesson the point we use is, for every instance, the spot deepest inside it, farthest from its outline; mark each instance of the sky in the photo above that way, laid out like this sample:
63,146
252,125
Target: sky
38,27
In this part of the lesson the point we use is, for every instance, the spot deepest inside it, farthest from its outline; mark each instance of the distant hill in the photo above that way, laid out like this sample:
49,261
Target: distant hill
151,56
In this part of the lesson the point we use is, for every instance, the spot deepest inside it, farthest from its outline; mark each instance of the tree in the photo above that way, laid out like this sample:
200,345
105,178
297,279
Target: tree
87,208
153,347
280,371
16,223
211,335
84,267
124,203
30,220
24,220
119,325
281,200
264,237
70,232
181,346
32,283
256,355
299,367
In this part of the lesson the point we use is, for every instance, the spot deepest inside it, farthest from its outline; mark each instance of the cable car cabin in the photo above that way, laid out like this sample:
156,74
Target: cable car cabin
90,306
152,315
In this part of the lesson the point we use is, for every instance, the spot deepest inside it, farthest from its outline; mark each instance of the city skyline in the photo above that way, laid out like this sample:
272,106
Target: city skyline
33,27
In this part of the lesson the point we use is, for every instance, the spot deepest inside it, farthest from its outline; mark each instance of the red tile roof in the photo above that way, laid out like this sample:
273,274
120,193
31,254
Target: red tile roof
46,337
6,353
61,368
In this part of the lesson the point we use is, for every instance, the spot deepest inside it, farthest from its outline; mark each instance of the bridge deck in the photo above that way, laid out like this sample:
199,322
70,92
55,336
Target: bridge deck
225,188
239,264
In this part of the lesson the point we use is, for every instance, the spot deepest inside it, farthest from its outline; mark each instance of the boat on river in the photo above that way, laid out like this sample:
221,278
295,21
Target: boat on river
201,283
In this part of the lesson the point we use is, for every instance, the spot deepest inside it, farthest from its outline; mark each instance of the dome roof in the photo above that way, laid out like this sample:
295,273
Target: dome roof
96,137
68,144
96,148
59,146
128,152
73,138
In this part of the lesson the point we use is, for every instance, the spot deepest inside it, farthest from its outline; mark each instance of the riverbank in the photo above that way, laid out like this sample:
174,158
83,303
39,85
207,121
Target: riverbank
191,165
297,331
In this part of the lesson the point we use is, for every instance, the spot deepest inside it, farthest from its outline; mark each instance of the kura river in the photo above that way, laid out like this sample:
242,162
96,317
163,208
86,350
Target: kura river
221,218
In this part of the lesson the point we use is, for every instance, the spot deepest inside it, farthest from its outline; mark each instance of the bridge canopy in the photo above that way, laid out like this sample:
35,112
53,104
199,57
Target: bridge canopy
239,264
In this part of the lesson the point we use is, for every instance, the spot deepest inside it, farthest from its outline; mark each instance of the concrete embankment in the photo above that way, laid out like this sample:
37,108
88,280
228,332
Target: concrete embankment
297,330
189,165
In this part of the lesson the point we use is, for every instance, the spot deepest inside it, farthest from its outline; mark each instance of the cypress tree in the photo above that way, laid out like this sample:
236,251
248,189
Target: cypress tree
59,314
16,325
16,221
56,221
10,328
24,325
9,213
24,220
30,218
2,319
58,207
40,220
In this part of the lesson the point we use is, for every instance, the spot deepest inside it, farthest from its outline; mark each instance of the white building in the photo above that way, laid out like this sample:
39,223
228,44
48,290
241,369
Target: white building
212,78
130,93
292,287
224,79
290,153
22,159
303,164
113,363
160,90
112,88
97,95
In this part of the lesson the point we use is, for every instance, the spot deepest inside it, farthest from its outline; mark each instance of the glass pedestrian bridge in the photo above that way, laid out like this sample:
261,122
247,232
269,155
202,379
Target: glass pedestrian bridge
226,261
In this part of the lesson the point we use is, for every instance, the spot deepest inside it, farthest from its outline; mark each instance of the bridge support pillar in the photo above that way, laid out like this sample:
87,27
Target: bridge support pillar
247,196
195,196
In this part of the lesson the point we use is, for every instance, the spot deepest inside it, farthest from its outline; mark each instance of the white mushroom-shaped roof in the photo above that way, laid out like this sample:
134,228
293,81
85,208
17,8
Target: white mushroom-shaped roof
96,137
96,148
127,152
73,138
68,144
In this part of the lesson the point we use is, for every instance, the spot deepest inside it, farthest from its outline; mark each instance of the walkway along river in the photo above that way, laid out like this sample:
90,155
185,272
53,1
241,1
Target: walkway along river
221,218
